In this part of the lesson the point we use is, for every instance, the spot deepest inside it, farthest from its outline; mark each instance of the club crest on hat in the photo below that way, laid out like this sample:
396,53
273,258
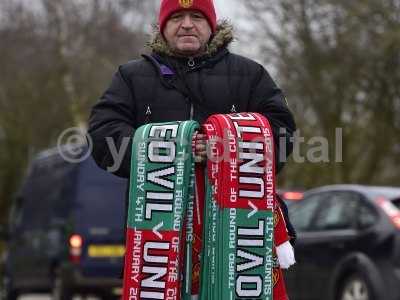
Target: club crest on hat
186,3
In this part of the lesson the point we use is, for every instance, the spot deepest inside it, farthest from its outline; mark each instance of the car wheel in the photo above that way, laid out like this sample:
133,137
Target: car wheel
60,290
355,287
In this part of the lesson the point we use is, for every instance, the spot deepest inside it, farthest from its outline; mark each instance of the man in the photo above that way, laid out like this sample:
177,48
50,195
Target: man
190,74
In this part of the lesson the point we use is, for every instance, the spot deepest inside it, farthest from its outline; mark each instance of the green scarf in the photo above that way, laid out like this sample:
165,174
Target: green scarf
238,251
161,191
212,242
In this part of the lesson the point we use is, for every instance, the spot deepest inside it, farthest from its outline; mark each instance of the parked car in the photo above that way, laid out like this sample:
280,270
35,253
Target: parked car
348,244
66,231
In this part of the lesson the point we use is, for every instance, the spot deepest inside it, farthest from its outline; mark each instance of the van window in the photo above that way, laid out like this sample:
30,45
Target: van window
100,198
101,205
43,194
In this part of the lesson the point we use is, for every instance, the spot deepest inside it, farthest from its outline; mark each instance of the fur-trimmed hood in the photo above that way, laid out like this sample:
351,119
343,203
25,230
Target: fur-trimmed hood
221,39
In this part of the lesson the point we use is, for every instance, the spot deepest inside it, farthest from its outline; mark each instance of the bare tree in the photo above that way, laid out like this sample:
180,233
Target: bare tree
338,62
56,59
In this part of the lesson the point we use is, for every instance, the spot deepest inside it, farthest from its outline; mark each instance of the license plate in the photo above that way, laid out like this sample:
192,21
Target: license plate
106,251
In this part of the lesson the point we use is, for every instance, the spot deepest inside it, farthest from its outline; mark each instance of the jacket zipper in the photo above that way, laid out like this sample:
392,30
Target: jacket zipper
191,64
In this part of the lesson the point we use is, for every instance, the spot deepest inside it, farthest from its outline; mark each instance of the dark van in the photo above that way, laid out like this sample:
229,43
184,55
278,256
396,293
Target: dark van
66,231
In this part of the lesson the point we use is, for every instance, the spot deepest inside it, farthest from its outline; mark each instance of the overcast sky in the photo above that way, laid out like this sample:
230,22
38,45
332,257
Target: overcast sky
224,8
230,9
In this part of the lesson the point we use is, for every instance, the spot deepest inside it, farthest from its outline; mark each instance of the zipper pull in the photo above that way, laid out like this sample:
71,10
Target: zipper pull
148,111
233,109
148,114
191,62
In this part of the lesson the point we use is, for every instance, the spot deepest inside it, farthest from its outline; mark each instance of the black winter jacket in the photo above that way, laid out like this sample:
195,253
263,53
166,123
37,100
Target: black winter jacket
161,88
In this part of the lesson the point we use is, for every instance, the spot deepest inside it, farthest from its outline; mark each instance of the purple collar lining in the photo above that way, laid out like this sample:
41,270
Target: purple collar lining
165,70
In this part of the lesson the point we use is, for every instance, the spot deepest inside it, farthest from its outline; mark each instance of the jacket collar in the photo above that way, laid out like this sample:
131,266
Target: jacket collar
166,63
221,39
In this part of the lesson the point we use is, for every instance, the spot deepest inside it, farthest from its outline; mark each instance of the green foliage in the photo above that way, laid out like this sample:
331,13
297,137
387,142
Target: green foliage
338,62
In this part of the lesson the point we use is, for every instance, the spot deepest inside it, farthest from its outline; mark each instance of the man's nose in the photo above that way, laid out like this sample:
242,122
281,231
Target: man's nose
187,22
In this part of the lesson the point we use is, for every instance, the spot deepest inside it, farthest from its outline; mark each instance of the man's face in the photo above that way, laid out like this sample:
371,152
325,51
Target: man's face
187,32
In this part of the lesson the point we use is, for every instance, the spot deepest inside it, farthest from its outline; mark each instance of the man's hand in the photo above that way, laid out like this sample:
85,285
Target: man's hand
199,143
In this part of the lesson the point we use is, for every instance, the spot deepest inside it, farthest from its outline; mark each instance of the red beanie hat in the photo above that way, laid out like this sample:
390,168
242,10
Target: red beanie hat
168,7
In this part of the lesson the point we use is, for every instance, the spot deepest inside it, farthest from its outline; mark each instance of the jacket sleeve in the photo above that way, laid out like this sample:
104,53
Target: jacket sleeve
111,127
269,100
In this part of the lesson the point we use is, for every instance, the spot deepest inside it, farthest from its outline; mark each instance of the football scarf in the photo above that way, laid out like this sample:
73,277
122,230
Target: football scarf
242,220
160,212
204,234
